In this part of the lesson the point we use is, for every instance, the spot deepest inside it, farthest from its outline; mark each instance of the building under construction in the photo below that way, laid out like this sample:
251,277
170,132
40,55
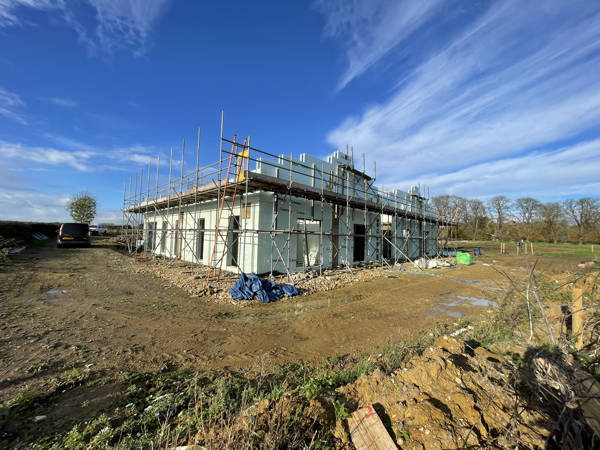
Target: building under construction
253,211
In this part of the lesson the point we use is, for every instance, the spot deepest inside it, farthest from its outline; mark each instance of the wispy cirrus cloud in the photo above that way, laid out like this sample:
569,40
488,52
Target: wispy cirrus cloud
46,155
66,102
9,9
519,80
136,154
119,24
370,30
568,171
11,106
126,24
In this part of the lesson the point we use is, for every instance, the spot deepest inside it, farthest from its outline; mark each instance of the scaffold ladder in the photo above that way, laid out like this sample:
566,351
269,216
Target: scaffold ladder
215,263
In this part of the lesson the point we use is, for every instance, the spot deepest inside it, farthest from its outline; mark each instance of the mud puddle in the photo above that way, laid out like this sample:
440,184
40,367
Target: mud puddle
453,305
55,292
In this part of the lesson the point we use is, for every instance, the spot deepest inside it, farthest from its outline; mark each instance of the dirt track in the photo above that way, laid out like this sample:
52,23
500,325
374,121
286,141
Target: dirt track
80,306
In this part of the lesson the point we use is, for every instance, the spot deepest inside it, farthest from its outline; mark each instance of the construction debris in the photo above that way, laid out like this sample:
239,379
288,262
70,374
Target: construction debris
367,431
249,285
192,277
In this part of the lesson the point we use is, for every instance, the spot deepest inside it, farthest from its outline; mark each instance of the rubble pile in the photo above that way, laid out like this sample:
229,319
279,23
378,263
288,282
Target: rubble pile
192,278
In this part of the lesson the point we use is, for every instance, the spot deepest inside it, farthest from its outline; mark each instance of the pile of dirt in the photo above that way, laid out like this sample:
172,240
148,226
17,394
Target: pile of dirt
450,396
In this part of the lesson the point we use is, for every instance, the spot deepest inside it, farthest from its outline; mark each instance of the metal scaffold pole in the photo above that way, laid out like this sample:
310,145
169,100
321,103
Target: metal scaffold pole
289,235
293,184
198,251
347,212
322,219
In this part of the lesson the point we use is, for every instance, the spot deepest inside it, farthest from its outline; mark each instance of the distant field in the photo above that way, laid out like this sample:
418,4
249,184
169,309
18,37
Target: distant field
543,250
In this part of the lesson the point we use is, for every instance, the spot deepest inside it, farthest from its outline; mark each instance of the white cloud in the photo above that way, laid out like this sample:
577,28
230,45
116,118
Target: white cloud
119,24
371,29
66,102
522,77
138,154
9,9
567,172
124,24
44,155
114,216
23,203
10,103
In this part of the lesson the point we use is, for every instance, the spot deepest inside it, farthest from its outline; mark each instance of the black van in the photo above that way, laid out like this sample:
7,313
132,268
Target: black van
73,234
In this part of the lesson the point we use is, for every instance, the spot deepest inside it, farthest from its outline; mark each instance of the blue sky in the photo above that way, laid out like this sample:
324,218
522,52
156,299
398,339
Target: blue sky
473,98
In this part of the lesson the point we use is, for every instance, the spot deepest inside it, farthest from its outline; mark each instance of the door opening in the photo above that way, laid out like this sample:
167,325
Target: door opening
359,243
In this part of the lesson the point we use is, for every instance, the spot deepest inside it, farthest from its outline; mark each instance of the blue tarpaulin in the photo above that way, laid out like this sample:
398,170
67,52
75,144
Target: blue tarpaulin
249,285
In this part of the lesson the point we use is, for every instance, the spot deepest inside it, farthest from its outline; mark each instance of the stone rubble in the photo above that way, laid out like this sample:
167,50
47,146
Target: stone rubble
192,278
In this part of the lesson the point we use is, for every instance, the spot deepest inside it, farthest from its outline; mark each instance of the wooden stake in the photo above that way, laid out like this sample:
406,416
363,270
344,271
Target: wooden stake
532,248
577,317
517,249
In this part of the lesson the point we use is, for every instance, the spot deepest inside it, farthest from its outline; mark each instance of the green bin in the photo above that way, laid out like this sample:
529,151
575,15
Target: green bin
463,258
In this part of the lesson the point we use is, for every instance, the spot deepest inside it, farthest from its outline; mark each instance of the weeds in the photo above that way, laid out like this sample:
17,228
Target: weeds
38,368
340,411
270,406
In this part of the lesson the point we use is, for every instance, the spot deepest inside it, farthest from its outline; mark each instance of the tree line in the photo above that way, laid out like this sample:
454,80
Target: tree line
501,218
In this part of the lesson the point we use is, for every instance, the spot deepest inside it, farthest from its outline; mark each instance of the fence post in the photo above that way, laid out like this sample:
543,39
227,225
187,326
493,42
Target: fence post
577,317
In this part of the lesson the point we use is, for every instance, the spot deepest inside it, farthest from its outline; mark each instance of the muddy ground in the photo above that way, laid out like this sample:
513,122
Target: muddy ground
88,308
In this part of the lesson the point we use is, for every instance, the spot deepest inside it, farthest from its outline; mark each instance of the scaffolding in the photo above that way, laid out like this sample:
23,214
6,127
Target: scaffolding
339,193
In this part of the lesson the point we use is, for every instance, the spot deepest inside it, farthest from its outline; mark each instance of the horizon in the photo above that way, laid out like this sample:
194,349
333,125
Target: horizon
473,100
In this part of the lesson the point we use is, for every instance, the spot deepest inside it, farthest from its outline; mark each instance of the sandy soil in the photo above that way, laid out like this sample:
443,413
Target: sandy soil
87,308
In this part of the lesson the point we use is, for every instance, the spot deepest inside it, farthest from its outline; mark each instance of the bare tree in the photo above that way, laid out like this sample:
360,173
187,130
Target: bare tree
478,214
527,209
585,213
552,216
446,205
443,207
501,206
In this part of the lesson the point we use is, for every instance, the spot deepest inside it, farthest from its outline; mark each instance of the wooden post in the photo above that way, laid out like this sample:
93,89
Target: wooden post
577,317
532,248
517,249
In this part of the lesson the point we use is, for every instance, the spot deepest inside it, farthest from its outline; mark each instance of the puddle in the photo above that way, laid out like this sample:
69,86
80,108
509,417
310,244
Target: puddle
445,310
475,301
56,291
458,301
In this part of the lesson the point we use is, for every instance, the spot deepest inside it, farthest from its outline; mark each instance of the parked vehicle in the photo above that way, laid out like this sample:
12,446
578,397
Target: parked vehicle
98,230
73,234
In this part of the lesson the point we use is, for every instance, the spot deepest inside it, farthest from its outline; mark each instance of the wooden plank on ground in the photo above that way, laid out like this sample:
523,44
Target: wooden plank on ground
368,432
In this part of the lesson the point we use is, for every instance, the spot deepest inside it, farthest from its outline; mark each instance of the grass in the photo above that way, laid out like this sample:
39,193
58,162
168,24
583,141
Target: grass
171,406
549,250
